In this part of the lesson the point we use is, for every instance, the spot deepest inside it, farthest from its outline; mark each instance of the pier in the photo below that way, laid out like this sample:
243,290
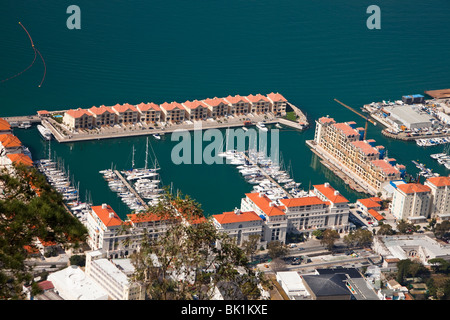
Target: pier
17,120
268,176
131,189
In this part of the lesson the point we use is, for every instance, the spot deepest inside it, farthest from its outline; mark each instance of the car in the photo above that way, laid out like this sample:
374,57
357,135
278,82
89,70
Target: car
370,222
300,249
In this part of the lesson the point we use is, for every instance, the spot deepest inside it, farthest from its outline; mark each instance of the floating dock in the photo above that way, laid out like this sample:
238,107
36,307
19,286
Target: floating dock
439,94
131,189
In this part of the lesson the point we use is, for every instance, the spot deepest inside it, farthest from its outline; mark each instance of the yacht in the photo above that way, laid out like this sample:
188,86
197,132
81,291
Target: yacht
45,132
157,136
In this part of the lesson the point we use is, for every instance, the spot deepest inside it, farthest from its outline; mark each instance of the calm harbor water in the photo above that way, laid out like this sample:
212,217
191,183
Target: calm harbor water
159,51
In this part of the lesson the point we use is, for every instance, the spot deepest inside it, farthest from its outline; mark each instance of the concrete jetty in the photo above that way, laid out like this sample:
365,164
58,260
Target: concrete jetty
131,189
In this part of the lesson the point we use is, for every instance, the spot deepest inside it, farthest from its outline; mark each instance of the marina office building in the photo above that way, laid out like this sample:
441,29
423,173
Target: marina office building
174,112
362,160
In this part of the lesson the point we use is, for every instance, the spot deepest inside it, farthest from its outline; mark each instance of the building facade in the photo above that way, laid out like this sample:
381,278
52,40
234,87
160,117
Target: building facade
411,201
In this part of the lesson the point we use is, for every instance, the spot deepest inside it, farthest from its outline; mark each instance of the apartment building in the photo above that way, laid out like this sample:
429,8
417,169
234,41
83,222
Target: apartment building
238,105
239,225
10,144
278,103
196,110
126,113
173,112
149,112
78,119
103,116
411,201
218,107
343,143
272,214
113,276
259,104
440,197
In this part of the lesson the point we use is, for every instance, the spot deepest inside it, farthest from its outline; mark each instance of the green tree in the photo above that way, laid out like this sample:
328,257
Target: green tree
442,230
405,227
318,234
277,249
250,246
25,216
329,238
190,259
385,229
358,238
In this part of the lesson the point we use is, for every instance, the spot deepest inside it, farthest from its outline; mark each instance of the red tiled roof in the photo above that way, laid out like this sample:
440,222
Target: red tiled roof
104,215
195,104
263,202
300,202
43,112
329,193
145,217
326,120
257,98
439,181
376,215
78,113
147,106
409,188
45,285
170,106
369,203
346,129
236,99
276,97
366,148
232,217
124,107
9,140
385,166
214,101
20,158
4,125
100,110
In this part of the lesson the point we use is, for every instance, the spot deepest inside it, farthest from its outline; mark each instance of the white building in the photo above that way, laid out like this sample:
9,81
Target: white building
72,283
440,197
112,276
239,225
273,215
413,247
411,201
292,284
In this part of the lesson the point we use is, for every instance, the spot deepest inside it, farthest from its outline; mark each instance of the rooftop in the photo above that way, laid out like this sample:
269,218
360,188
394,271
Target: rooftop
20,158
107,215
365,147
276,97
171,106
257,98
265,204
124,107
78,113
439,181
148,106
304,201
235,99
330,193
214,101
409,188
385,166
195,104
346,129
10,141
233,217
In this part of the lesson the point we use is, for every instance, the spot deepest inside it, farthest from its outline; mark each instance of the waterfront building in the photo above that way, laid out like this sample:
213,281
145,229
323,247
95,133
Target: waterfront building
103,116
239,225
411,201
20,158
218,107
259,104
113,276
9,144
408,116
367,204
78,119
273,215
307,214
126,113
278,103
339,209
149,112
104,229
238,105
173,112
196,110
5,127
362,160
440,197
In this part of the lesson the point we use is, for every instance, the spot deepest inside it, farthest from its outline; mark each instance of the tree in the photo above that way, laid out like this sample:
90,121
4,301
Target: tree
191,259
277,249
405,227
25,216
318,234
385,229
329,238
358,238
250,246
442,230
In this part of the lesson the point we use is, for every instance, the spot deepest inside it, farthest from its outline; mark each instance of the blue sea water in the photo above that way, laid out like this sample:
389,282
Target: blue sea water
142,51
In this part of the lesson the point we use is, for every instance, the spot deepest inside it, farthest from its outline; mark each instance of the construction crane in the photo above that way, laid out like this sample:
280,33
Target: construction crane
359,114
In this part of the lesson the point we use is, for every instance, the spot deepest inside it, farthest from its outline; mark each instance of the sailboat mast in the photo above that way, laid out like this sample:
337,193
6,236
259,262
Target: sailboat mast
132,159
146,154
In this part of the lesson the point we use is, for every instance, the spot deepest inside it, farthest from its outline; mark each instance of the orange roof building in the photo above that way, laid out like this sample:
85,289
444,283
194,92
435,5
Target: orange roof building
367,204
411,201
20,158
375,214
10,142
5,127
238,104
327,193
